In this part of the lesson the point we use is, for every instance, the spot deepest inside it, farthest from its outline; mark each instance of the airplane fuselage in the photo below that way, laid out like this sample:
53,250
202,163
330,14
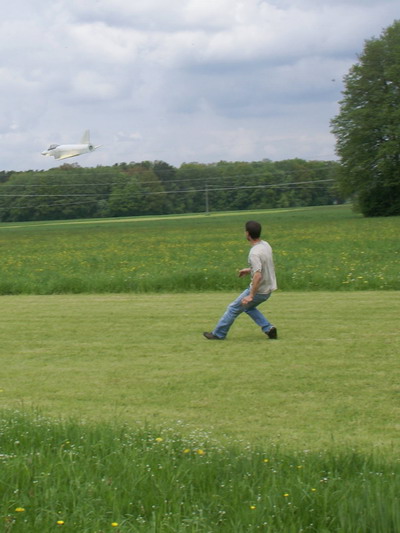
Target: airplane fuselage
62,151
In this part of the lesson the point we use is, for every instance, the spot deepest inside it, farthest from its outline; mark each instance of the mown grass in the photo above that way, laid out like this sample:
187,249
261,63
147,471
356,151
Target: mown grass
101,477
328,248
331,380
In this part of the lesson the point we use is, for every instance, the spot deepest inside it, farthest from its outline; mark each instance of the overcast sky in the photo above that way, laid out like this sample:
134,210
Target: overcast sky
178,81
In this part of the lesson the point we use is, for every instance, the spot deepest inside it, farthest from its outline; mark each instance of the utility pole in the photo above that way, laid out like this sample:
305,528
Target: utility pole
207,206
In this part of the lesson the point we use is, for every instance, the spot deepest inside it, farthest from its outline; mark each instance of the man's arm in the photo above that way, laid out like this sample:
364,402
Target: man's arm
254,288
244,272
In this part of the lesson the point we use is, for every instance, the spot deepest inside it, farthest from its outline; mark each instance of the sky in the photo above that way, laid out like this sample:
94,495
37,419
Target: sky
179,81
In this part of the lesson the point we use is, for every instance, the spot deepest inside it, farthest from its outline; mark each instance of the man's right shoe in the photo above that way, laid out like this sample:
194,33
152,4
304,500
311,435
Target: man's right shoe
211,336
272,333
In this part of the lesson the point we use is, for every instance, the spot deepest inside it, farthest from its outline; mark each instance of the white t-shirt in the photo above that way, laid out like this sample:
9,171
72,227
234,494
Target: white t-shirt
261,260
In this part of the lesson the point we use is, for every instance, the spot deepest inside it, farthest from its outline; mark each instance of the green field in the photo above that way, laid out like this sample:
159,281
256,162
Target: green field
167,432
322,248
106,477
117,415
332,378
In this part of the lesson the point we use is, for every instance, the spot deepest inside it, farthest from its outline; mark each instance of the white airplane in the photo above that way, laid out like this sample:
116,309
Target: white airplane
62,151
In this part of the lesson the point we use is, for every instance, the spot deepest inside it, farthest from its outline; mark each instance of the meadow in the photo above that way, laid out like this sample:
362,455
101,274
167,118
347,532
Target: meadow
102,478
117,415
324,248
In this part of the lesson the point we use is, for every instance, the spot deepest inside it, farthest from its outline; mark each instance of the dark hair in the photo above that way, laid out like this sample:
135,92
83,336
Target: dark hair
254,229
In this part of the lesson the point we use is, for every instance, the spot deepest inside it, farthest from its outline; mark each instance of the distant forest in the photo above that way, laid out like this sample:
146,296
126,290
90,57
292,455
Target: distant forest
157,188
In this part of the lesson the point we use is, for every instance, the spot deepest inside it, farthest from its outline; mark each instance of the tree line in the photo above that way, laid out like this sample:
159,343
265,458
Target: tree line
157,188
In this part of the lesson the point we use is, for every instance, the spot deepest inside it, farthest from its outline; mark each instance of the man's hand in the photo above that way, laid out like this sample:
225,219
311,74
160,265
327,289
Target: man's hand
254,288
247,299
244,272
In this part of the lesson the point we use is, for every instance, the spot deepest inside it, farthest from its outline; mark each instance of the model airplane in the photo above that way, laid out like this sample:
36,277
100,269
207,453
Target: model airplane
62,151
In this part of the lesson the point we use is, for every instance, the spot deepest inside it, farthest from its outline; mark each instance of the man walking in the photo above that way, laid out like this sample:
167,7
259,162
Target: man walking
263,282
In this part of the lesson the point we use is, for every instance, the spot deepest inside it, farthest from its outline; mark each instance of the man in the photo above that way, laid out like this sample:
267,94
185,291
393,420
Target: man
263,282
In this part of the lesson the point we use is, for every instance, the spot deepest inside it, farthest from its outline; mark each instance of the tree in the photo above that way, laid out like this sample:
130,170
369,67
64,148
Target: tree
150,188
367,128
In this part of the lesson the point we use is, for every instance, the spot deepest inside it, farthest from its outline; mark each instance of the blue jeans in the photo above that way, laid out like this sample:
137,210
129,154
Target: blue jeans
236,308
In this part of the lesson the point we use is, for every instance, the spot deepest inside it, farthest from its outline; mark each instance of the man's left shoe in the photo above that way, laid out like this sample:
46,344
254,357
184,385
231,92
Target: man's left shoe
272,333
211,336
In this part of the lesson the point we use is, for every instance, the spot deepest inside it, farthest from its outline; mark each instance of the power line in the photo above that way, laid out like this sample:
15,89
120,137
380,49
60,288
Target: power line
293,185
95,198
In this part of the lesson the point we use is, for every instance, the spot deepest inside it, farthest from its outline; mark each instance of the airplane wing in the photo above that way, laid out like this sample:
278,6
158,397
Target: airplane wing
65,156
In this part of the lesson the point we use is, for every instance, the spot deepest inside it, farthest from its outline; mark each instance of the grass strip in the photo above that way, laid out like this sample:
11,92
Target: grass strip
104,477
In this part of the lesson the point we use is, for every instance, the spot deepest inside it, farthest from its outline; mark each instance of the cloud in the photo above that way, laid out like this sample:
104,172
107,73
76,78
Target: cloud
188,80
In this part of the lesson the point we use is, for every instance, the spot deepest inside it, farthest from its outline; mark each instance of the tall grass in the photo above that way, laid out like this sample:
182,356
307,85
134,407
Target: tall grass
99,478
327,248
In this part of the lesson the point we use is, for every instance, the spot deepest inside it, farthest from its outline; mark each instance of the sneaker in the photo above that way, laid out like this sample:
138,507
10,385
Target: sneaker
272,333
211,336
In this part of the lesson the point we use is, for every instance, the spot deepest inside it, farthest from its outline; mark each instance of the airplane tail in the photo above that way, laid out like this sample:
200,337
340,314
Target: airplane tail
86,137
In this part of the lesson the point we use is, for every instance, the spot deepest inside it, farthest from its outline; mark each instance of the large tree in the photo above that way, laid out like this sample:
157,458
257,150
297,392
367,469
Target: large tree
367,127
